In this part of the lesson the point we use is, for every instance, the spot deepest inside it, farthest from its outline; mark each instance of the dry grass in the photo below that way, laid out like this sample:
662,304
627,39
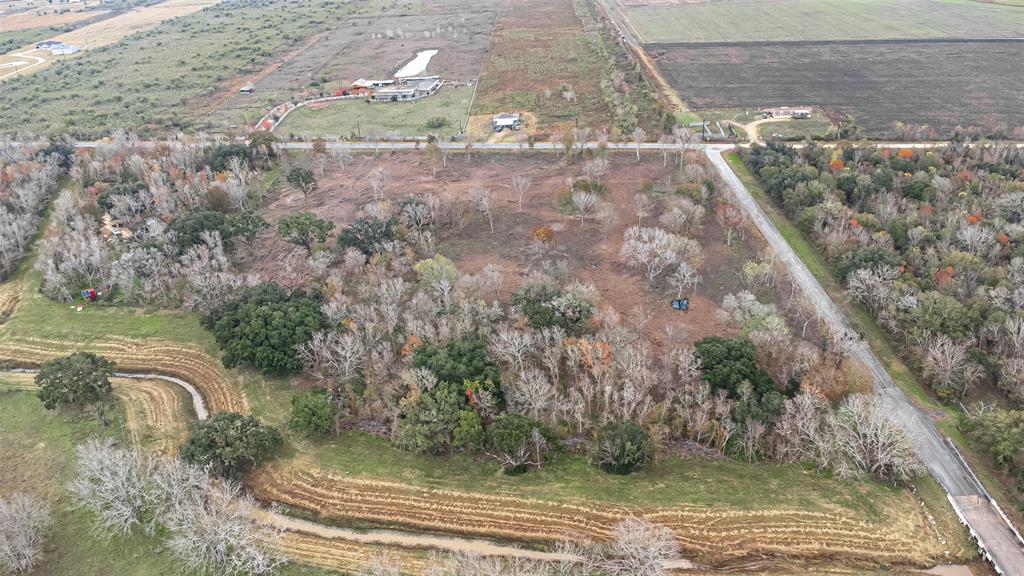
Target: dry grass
182,361
33,19
714,535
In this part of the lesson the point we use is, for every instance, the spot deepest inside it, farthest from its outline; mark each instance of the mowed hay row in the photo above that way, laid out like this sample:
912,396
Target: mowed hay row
10,295
154,409
711,534
346,555
188,363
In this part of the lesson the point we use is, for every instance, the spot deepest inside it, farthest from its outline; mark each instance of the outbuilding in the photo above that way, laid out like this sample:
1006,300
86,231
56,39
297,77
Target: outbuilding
506,121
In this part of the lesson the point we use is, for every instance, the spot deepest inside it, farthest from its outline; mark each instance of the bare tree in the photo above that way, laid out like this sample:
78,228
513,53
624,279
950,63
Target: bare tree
23,520
638,138
873,286
638,548
532,394
512,346
866,440
608,218
595,169
642,206
949,368
656,250
683,277
114,484
584,202
377,182
483,200
520,184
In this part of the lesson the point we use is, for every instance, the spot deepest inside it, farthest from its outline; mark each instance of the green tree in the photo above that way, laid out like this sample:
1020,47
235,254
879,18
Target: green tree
230,444
1001,434
519,443
312,412
304,229
726,363
302,180
74,381
188,229
247,226
367,234
428,425
546,305
469,432
621,447
261,145
221,154
263,324
458,361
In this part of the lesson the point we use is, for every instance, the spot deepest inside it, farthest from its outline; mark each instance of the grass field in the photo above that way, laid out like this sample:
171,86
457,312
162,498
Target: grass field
785,20
407,118
815,127
940,85
146,81
12,39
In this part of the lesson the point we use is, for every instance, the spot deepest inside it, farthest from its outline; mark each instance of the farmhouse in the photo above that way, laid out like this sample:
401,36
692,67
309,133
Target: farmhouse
799,113
57,48
506,120
409,89
368,85
48,44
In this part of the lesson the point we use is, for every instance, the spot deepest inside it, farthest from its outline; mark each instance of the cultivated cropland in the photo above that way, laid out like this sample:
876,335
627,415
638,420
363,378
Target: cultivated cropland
511,287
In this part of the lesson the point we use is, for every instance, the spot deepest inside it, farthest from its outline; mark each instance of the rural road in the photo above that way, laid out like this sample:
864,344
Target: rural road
24,54
965,492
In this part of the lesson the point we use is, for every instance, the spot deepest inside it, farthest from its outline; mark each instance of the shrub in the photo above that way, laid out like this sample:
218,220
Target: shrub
437,122
726,363
429,425
263,325
74,381
312,412
230,444
518,442
621,448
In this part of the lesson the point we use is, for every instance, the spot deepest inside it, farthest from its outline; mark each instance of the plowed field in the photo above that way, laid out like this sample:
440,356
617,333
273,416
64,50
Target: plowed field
712,535
182,361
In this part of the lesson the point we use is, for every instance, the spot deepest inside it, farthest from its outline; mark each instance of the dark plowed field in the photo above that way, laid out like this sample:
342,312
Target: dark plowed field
938,84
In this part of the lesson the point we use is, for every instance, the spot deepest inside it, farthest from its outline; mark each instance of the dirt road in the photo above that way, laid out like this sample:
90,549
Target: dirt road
966,494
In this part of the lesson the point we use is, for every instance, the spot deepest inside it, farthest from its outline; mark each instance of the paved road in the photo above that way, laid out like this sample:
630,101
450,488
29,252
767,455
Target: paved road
943,463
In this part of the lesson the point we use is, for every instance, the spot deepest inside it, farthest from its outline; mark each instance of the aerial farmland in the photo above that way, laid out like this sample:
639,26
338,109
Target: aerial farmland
523,287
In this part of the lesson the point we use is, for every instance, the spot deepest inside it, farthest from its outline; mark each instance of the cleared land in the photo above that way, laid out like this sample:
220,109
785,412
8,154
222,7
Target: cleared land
781,20
355,117
941,85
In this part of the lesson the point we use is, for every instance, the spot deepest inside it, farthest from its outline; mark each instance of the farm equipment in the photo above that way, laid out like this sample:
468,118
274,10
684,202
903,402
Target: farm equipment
681,304
90,294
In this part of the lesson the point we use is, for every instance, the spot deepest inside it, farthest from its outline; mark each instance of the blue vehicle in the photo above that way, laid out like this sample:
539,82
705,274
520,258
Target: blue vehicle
683,304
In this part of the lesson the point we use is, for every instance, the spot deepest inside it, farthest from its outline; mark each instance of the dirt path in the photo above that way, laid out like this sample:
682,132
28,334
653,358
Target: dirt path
753,129
26,54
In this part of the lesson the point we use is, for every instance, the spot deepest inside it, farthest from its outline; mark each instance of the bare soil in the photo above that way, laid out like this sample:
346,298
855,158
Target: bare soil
43,18
591,256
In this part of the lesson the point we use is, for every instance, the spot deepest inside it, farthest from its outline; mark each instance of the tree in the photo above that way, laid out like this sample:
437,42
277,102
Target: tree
483,200
74,381
304,229
261,145
428,425
683,277
263,325
638,138
221,154
518,442
545,305
726,363
458,361
654,250
520,184
23,520
621,447
189,228
642,205
868,441
247,226
312,412
302,180
584,202
367,234
114,484
638,548
949,369
230,444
